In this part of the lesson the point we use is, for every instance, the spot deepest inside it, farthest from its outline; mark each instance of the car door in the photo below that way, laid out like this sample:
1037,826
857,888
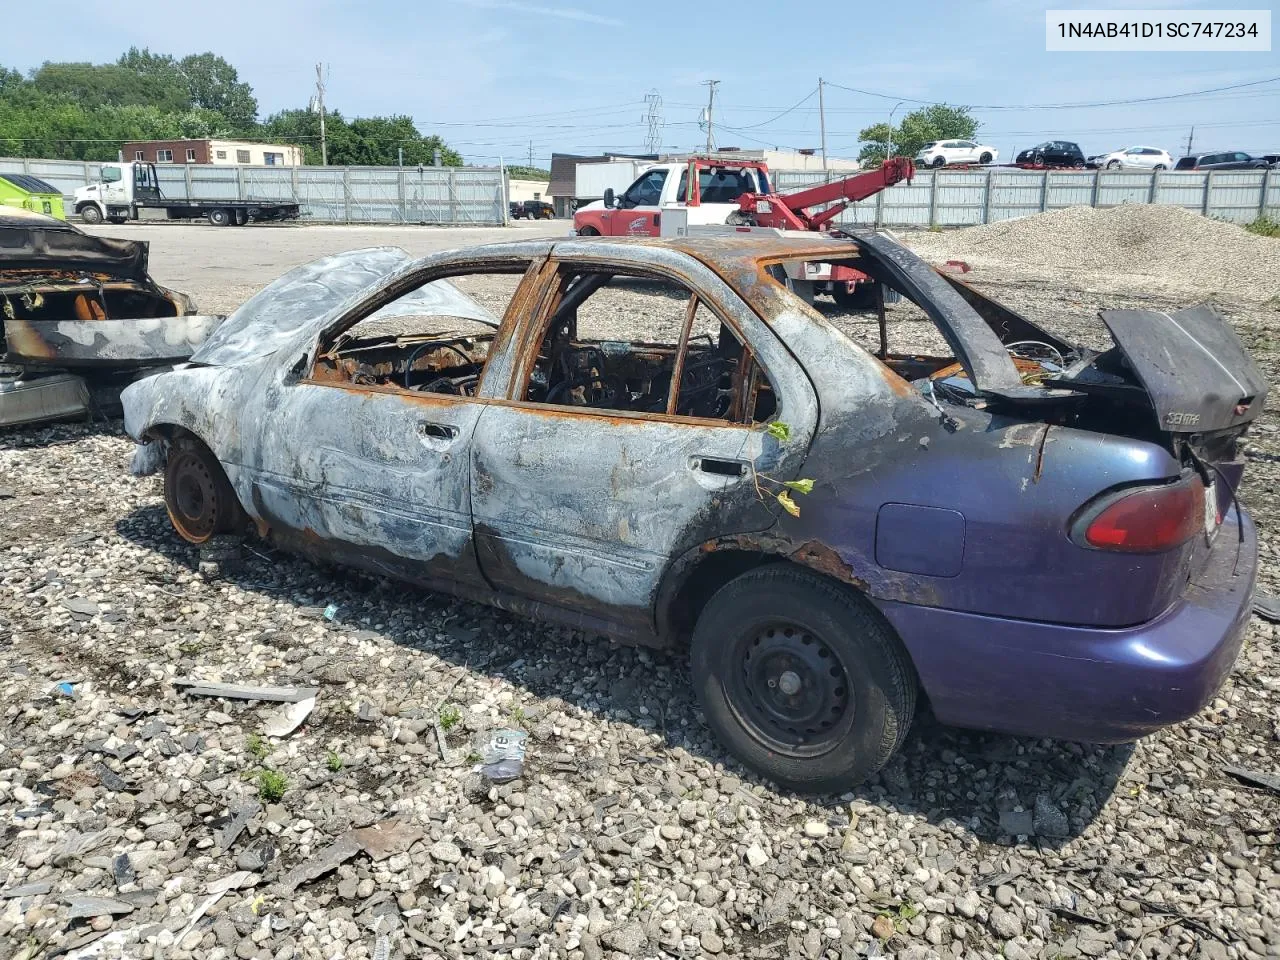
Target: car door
581,501
967,151
364,462
636,213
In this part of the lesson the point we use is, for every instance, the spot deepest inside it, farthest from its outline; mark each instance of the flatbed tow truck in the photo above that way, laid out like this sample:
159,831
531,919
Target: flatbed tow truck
131,191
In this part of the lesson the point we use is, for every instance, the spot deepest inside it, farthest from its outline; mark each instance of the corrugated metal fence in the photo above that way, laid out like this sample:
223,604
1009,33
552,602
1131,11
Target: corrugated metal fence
438,195
956,198
476,195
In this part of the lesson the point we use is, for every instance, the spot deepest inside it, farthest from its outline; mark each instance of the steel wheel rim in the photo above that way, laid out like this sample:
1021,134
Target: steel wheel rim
790,690
193,506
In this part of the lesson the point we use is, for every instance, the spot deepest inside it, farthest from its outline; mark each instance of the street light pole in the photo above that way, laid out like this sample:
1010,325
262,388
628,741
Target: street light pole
889,150
822,124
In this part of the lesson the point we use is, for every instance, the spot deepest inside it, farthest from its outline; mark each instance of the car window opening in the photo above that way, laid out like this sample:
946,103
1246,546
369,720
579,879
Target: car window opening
644,344
414,345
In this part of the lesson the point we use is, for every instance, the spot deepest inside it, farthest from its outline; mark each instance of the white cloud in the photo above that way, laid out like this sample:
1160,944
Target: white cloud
560,13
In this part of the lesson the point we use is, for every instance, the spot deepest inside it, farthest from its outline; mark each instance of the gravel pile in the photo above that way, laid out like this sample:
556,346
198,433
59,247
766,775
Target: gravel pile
1150,247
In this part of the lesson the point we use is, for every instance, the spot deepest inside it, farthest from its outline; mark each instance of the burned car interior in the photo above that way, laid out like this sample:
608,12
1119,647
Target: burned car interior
677,340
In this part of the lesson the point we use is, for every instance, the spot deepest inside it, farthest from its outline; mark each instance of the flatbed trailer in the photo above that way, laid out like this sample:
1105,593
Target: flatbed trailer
131,191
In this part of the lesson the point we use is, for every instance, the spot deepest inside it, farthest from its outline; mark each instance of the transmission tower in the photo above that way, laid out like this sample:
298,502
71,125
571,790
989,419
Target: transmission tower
653,141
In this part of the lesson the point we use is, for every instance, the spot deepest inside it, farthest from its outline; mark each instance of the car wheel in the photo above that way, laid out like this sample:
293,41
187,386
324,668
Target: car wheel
588,232
939,161
197,494
802,679
1113,164
91,214
985,158
1159,166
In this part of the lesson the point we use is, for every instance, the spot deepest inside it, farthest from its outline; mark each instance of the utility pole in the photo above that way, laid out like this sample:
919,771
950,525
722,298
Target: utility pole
1191,138
822,124
711,103
531,153
324,144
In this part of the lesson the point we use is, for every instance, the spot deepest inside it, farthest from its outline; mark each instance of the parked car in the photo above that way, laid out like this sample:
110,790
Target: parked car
942,152
81,318
1052,153
1272,158
658,440
1133,158
532,210
1224,160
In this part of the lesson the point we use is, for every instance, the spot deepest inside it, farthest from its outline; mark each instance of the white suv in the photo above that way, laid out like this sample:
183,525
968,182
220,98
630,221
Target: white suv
1134,158
941,152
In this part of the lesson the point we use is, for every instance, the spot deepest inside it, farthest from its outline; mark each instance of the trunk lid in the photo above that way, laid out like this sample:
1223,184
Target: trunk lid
1196,372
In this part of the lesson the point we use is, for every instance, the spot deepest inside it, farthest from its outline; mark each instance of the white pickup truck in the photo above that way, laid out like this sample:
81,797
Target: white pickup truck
638,210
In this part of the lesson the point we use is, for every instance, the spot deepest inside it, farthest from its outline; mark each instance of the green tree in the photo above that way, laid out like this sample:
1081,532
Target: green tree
522,172
938,121
214,84
364,141
9,80
92,85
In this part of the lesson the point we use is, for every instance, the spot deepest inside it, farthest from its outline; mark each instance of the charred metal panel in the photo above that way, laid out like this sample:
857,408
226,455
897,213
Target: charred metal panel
573,507
30,240
1197,372
107,343
915,539
369,470
42,398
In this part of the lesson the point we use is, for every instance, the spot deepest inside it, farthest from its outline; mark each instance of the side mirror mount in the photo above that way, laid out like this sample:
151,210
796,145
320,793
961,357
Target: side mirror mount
608,197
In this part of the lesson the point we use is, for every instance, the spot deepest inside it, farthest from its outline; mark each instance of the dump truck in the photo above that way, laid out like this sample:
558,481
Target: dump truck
131,191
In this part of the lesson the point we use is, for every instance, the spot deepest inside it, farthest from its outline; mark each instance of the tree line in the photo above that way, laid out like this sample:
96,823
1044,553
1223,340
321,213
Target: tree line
86,111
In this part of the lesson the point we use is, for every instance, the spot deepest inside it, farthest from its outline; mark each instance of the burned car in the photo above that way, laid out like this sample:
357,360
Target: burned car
80,318
661,441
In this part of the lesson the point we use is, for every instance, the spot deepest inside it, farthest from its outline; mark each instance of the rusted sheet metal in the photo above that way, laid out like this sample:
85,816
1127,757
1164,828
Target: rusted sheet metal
106,343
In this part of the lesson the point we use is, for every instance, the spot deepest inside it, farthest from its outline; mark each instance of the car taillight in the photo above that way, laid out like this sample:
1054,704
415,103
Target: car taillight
1144,519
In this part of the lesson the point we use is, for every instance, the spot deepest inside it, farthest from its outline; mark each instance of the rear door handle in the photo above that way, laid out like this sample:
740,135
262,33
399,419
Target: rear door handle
721,467
437,431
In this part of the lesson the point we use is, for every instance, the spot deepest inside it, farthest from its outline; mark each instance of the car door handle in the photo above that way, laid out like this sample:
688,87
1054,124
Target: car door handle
721,467
437,431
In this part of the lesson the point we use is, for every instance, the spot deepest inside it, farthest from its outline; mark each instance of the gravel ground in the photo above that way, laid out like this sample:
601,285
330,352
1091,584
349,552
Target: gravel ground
137,813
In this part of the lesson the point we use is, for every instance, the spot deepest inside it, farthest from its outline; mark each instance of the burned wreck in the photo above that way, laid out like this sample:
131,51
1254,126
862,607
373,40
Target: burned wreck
80,318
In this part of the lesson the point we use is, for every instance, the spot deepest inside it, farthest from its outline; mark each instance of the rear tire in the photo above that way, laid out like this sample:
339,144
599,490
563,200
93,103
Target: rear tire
220,217
91,214
939,161
198,496
802,679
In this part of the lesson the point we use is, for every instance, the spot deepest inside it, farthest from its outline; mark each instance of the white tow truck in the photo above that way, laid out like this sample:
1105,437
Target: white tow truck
131,191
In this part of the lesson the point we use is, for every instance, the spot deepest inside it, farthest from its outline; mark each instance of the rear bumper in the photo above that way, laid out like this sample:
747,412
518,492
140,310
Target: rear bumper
1080,683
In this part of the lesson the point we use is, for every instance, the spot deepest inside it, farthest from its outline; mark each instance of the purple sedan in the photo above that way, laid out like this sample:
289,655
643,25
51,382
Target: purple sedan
665,442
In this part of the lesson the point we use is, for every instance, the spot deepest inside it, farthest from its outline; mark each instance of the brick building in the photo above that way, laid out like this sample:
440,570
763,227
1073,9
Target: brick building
217,152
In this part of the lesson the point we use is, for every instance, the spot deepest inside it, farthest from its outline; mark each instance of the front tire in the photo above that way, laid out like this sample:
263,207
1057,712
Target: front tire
985,158
197,494
91,214
802,679
588,232
939,161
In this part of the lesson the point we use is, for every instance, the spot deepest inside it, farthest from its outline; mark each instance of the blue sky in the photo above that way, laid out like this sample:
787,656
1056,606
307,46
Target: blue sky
493,75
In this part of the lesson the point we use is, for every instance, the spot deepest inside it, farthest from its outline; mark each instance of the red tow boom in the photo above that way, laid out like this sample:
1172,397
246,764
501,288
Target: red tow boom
789,211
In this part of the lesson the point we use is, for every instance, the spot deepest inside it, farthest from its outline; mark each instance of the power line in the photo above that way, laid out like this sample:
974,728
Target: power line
808,96
1064,106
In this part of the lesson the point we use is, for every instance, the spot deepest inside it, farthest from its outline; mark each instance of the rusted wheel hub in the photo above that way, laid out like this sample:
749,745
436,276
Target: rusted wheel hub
191,494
